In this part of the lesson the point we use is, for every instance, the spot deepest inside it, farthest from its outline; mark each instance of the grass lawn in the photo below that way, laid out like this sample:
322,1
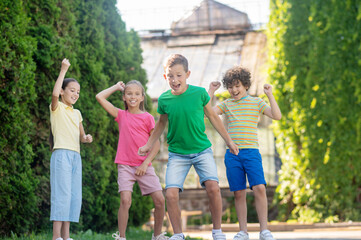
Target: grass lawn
132,234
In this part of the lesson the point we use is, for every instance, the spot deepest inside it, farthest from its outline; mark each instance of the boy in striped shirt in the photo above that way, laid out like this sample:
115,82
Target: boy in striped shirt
242,112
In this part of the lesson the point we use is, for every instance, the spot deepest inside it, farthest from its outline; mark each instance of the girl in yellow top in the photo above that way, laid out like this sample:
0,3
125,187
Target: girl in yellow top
65,163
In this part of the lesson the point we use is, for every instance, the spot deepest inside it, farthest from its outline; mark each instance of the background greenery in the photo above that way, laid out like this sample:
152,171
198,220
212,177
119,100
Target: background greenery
315,67
34,37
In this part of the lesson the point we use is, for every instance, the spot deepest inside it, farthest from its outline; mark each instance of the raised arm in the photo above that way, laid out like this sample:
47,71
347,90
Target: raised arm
103,95
158,130
218,125
59,82
213,86
273,111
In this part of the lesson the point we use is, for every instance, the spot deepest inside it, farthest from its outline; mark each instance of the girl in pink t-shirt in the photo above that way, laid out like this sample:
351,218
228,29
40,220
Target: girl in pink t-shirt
135,127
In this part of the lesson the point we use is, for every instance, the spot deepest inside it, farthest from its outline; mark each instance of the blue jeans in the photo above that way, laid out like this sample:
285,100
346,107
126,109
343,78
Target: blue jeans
179,165
66,186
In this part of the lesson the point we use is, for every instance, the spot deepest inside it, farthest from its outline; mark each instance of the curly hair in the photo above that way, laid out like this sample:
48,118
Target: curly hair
235,74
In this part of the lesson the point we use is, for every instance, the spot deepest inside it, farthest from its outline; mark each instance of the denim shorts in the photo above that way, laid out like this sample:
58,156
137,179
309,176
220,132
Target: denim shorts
247,162
66,186
179,165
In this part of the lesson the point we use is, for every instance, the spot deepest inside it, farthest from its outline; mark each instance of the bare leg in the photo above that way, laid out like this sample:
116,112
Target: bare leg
159,211
172,196
241,208
123,213
65,230
215,202
57,229
261,205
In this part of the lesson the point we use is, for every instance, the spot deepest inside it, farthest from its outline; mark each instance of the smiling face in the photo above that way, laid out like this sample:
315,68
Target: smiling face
237,90
70,94
177,78
133,97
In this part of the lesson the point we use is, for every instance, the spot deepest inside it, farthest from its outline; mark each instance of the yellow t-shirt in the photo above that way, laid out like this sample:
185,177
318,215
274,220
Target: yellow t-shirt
65,122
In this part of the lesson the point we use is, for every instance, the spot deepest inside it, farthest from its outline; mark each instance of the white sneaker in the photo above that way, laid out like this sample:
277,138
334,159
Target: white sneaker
176,237
70,239
117,236
266,235
59,239
219,236
241,236
160,236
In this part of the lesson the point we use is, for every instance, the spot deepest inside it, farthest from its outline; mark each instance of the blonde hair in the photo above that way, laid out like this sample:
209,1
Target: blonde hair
136,82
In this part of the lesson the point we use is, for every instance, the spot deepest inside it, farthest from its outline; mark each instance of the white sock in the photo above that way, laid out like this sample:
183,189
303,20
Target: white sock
214,231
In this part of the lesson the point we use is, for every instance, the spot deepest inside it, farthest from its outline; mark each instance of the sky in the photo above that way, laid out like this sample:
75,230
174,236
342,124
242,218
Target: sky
159,14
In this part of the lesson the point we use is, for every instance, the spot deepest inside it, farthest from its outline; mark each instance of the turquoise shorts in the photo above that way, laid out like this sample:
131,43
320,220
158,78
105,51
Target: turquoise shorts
66,186
179,165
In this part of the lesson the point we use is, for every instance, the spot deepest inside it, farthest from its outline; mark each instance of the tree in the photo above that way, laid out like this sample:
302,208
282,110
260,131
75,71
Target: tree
314,51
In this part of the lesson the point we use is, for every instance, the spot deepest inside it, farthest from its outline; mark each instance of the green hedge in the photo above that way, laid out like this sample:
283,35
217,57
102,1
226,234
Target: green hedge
35,37
17,188
314,56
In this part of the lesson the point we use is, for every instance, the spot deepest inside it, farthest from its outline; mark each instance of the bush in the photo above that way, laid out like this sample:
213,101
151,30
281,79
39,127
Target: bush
314,51
35,36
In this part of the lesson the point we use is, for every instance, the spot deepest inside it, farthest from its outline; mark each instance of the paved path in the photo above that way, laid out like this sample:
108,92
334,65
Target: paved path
304,234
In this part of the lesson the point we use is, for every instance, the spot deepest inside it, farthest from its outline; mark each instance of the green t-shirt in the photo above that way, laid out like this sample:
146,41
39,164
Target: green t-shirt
186,128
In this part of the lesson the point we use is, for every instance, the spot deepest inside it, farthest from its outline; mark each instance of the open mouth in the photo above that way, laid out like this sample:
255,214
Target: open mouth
176,86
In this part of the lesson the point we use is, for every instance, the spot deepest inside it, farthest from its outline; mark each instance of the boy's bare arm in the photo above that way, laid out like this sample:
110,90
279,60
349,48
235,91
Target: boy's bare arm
158,130
140,171
103,95
213,86
273,111
218,125
59,82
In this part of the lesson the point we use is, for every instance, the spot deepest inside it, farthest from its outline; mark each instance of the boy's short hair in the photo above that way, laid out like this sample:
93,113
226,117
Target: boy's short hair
235,74
175,59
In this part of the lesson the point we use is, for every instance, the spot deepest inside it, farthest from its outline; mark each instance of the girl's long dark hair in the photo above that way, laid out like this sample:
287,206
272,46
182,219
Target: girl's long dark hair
65,83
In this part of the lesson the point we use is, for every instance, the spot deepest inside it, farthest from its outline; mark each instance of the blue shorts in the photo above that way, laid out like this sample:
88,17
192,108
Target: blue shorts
179,165
65,184
247,162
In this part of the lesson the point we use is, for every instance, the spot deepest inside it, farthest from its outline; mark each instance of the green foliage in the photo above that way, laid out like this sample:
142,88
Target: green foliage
17,198
132,234
314,51
35,37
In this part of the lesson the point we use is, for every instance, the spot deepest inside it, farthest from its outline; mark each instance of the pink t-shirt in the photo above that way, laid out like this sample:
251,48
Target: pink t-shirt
134,131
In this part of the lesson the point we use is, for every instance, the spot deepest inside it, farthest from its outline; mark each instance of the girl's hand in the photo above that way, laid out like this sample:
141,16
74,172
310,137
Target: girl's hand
213,86
88,138
65,64
140,171
267,89
120,86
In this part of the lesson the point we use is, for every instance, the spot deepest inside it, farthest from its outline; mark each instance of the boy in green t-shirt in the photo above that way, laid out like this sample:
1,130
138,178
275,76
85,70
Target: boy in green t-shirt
184,106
